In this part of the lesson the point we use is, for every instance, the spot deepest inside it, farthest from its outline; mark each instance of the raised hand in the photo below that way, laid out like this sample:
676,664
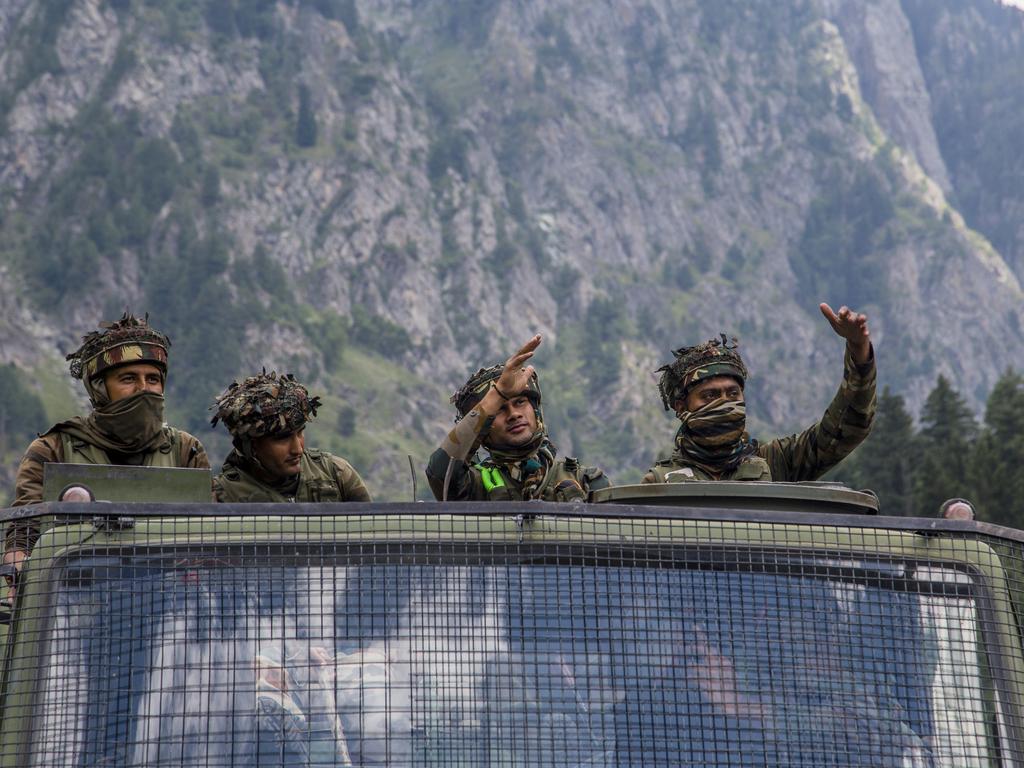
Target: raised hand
515,376
852,326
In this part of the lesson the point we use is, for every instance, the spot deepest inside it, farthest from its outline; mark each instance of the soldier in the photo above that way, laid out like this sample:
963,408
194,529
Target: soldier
500,409
123,367
266,416
704,386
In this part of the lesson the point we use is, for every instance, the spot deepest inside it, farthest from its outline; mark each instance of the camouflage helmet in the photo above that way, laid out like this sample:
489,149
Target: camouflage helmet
122,342
473,391
265,404
717,357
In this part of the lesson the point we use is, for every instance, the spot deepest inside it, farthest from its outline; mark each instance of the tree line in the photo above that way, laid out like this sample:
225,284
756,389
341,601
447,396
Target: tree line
914,468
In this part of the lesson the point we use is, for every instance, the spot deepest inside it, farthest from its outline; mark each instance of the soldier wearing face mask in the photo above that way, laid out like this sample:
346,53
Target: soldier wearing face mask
123,367
704,386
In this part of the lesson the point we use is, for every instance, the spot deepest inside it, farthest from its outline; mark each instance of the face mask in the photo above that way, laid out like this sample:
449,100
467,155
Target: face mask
132,424
714,436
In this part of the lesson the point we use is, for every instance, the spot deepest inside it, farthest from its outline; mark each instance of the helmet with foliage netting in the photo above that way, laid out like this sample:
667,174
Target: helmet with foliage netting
265,404
717,357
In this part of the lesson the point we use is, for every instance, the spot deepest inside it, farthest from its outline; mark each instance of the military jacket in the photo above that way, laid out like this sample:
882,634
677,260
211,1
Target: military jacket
180,449
808,455
322,477
567,480
669,471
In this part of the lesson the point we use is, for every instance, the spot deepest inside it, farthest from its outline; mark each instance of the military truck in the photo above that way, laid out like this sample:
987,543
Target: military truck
679,625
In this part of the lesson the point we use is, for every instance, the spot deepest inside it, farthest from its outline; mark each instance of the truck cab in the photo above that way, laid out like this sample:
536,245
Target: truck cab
679,625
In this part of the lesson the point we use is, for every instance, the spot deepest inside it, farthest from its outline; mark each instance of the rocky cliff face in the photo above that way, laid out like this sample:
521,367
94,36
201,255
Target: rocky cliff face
880,43
972,57
424,185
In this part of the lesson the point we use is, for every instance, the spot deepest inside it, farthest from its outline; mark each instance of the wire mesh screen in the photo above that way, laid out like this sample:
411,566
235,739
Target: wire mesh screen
487,641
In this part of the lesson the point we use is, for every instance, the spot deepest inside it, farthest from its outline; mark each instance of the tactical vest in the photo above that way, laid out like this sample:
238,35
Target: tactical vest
318,481
566,481
751,468
77,451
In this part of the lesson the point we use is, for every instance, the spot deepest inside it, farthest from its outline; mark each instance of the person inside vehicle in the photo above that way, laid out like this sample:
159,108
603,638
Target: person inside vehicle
704,387
295,727
266,415
499,409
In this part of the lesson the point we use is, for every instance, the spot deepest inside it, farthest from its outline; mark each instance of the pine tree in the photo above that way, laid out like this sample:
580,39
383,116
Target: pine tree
948,431
998,458
885,462
305,127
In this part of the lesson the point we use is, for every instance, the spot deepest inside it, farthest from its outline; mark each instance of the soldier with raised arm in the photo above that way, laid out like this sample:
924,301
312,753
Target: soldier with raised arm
499,409
123,367
266,415
704,386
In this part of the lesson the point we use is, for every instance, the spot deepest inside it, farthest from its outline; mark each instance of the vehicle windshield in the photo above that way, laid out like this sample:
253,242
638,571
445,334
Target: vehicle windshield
299,660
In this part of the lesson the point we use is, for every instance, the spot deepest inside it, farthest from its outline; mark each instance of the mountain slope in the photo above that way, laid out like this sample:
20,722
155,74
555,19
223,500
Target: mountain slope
383,195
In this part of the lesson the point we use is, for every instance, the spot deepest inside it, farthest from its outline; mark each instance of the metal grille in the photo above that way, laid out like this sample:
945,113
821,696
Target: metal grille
490,639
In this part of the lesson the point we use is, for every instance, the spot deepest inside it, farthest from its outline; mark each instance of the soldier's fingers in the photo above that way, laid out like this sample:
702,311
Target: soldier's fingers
826,310
844,312
524,353
531,345
517,360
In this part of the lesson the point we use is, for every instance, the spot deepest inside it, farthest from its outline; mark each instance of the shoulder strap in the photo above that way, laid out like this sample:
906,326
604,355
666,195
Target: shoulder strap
660,471
168,454
319,481
753,468
233,485
81,452
563,482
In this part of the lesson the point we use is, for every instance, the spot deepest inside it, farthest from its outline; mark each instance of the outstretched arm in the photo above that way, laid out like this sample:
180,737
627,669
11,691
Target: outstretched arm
846,421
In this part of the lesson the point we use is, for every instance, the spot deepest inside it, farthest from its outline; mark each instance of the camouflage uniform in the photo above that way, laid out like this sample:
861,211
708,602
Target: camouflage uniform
529,472
807,456
268,405
96,438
